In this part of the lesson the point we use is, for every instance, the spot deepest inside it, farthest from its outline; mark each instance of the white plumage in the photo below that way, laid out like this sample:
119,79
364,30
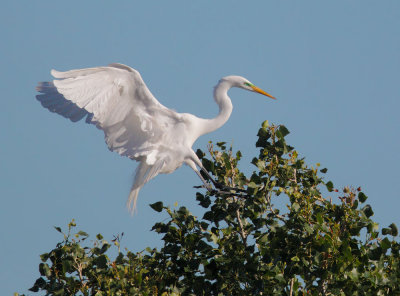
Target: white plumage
135,124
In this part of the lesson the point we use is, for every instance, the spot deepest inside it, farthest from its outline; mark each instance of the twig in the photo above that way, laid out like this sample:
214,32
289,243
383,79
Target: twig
242,232
79,268
276,215
291,287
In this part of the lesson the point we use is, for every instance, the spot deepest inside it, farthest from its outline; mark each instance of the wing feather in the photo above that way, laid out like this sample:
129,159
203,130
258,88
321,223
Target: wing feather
117,101
52,100
144,173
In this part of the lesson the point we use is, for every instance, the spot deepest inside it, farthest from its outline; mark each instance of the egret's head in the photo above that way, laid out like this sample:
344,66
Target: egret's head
241,82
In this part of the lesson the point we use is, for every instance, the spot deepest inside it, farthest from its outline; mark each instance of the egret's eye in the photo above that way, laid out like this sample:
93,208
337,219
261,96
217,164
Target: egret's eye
248,84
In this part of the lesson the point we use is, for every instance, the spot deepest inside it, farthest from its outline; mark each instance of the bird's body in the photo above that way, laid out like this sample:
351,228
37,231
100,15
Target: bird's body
135,124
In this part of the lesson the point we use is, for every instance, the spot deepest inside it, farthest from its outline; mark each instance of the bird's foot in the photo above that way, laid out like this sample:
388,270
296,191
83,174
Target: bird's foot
224,190
222,187
230,193
208,187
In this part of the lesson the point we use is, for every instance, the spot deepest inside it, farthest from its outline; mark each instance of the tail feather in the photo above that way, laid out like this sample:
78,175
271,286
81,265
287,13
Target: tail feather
132,199
144,173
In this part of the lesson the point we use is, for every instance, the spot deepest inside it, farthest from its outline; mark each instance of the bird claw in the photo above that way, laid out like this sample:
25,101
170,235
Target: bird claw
209,188
224,190
235,193
223,187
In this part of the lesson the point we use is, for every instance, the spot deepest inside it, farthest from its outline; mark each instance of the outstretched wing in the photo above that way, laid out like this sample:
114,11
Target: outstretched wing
117,101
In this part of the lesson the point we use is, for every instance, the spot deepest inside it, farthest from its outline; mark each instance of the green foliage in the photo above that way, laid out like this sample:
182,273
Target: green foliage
243,244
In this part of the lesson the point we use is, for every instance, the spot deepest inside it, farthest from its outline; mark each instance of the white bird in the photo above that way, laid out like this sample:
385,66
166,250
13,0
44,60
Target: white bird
135,124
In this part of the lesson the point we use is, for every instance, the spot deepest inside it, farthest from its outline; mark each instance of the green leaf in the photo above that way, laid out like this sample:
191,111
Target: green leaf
280,277
221,145
227,161
214,238
385,243
295,207
200,154
395,231
209,216
58,229
362,197
238,155
295,259
263,137
309,228
261,165
319,218
204,225
353,274
67,265
82,233
324,170
279,135
372,227
202,246
368,211
44,257
39,284
283,131
263,239
252,185
329,186
208,165
205,201
44,270
59,292
157,206
101,261
72,224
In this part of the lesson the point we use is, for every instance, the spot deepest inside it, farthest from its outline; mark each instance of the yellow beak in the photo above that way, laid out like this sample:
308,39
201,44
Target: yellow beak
260,91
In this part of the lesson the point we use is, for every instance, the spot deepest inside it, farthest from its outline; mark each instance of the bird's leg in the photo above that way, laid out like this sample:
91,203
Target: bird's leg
220,188
216,184
206,184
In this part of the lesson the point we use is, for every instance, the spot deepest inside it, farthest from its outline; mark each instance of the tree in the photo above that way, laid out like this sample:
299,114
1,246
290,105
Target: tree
244,244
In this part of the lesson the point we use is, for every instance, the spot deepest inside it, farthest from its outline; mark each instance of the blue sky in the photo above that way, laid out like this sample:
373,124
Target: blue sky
334,67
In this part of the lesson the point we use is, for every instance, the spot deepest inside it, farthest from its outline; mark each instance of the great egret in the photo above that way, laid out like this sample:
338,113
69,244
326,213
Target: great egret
135,124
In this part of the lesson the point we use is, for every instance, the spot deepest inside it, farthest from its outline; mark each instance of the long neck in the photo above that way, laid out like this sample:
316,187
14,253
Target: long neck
225,107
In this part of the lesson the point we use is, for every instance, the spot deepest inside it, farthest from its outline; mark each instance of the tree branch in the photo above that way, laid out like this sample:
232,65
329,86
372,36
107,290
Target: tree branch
291,287
243,234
